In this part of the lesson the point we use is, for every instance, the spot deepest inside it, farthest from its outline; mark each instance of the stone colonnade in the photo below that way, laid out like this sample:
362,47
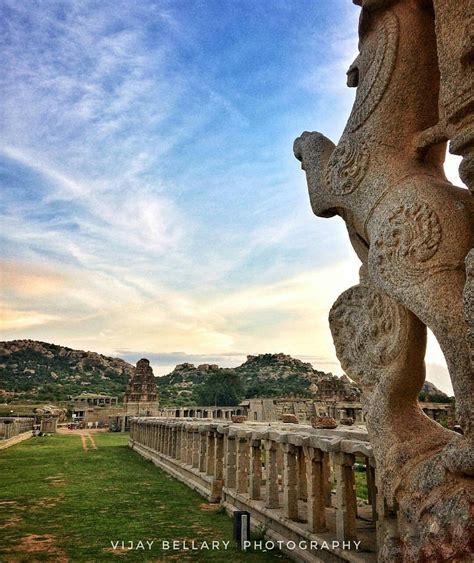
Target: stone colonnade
10,427
303,477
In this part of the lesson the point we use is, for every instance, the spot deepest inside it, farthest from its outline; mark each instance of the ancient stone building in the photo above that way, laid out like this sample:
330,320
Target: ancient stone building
141,396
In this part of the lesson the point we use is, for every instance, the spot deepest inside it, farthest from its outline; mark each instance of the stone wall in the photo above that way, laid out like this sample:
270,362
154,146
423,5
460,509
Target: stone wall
12,427
298,483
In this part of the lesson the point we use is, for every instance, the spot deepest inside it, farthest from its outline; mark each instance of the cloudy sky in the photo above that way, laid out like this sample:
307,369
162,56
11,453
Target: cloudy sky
150,202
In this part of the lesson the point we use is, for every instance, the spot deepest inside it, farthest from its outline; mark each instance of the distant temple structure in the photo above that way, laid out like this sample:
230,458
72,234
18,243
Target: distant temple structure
141,396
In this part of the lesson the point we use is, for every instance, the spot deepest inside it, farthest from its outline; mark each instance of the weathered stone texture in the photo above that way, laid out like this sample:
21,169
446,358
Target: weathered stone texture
412,230
323,422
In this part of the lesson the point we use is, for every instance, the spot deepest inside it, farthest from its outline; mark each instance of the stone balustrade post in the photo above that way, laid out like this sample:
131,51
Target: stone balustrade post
280,463
202,451
316,489
302,481
327,479
272,499
210,458
189,446
255,469
290,492
346,504
177,446
218,456
242,465
196,441
230,466
172,441
161,438
371,485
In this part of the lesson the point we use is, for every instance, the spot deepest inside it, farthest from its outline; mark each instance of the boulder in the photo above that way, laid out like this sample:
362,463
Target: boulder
323,422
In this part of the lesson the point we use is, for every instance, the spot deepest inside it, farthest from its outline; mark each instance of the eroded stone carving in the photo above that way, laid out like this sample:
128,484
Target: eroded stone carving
413,453
412,230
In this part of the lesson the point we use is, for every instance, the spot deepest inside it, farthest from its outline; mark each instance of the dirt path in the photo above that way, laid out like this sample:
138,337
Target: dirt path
87,436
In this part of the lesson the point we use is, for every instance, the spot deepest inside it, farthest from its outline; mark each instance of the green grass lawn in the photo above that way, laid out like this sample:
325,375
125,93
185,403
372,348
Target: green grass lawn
61,503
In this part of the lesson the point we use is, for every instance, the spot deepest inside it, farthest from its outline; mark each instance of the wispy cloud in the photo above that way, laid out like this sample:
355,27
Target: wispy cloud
150,200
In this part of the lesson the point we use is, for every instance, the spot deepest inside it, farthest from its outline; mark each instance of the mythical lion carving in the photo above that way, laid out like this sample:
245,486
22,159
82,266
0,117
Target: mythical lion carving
412,230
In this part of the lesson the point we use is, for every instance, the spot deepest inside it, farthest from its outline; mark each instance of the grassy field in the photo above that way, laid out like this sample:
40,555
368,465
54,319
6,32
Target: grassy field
60,502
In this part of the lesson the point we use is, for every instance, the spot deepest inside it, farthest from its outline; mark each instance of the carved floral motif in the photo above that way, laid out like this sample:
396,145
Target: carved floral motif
408,241
369,329
347,167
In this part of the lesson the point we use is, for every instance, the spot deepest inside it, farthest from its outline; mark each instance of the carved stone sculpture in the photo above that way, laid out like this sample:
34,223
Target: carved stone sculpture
412,230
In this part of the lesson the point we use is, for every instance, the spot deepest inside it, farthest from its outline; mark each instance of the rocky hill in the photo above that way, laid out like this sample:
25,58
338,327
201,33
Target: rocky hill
47,372
41,371
265,375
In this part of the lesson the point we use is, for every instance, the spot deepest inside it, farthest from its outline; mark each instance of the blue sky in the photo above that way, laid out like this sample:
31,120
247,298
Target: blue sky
150,201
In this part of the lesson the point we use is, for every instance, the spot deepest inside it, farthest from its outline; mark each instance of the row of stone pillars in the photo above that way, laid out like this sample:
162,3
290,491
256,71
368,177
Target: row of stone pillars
276,468
15,426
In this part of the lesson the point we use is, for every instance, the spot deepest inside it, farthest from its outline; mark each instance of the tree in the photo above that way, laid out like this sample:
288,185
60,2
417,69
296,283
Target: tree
221,387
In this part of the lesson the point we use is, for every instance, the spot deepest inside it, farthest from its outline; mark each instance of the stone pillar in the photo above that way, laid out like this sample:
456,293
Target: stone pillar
219,456
316,489
230,468
210,458
302,483
346,505
161,439
290,492
242,465
327,480
255,469
280,462
202,451
177,452
371,487
272,499
196,440
189,446
172,452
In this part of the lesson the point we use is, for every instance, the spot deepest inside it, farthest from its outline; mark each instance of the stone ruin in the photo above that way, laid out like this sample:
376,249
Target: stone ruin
141,396
413,231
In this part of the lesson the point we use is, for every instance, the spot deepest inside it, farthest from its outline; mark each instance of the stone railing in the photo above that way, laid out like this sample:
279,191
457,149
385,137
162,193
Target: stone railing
297,482
11,428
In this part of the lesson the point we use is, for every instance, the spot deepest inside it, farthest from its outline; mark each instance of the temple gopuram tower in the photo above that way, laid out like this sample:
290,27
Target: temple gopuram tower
141,396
